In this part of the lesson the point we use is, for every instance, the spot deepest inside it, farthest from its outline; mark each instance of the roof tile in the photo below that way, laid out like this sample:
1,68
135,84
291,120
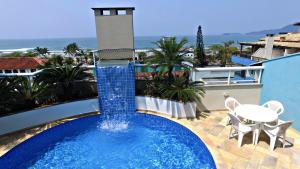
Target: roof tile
20,63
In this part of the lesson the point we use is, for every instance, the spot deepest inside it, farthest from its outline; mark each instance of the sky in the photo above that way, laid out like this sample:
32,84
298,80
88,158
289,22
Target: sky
29,19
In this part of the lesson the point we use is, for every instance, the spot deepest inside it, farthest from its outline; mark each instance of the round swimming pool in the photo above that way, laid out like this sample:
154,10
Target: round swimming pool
136,141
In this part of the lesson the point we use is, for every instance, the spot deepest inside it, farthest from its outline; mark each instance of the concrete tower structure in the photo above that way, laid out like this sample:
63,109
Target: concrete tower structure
115,34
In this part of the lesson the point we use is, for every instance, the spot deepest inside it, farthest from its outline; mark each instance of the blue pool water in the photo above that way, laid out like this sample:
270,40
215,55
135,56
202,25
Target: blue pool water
145,141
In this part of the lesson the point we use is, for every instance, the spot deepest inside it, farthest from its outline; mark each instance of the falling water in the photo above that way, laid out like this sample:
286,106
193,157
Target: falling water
116,92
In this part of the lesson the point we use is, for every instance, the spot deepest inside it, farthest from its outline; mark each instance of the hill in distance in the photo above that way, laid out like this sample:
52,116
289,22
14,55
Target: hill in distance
288,28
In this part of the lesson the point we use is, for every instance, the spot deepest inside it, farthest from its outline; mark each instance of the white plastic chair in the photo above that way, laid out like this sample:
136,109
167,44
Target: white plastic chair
242,129
276,131
230,104
275,106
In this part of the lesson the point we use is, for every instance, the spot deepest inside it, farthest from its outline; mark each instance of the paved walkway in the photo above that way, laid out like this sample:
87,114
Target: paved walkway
212,129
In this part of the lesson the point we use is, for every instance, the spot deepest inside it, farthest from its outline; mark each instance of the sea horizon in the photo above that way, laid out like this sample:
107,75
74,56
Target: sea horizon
141,42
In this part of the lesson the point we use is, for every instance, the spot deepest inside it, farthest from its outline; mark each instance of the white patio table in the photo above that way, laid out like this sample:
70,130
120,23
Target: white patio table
257,114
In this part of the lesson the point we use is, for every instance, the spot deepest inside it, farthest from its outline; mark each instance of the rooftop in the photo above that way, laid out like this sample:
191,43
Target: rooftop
212,129
289,40
20,63
108,8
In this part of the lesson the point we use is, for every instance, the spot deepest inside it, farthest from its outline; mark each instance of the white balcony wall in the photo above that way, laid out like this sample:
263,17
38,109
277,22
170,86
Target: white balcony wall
40,116
29,119
168,107
215,96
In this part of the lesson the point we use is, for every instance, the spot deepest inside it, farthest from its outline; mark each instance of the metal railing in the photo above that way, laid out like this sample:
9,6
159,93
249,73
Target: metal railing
219,76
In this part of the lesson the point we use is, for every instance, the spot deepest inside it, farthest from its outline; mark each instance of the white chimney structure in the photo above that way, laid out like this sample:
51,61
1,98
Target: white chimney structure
115,35
269,46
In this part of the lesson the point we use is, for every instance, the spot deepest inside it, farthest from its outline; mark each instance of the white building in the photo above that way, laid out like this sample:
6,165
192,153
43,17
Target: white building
20,65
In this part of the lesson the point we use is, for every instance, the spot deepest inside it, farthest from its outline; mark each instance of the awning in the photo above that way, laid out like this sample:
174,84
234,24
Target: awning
242,61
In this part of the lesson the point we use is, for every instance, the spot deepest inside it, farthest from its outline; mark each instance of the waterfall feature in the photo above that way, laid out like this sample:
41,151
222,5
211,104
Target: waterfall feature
116,94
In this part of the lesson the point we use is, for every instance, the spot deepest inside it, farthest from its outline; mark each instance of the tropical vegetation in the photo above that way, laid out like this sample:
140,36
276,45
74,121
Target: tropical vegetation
63,77
8,94
58,82
170,54
182,90
142,56
20,54
30,91
80,55
166,83
223,52
41,51
200,59
71,49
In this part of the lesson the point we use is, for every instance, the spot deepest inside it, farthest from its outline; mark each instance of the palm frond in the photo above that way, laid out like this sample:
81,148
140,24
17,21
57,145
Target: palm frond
182,90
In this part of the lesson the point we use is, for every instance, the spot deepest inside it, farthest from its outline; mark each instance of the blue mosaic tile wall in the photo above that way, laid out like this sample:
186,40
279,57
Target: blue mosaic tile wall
116,89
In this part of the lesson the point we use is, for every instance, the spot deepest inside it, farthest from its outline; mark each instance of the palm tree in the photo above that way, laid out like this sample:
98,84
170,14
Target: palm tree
71,49
170,54
215,52
142,56
86,56
227,51
41,51
69,61
89,56
8,94
223,52
63,77
183,90
20,92
56,60
153,83
31,91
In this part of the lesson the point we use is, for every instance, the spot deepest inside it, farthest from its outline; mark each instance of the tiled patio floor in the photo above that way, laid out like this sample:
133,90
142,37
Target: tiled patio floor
212,129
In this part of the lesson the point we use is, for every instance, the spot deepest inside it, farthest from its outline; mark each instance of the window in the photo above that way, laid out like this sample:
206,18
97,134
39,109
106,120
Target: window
121,12
1,71
7,71
15,71
22,71
106,12
33,70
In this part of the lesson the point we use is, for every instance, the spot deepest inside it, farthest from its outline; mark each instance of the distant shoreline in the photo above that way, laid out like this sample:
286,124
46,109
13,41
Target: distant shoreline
157,36
141,42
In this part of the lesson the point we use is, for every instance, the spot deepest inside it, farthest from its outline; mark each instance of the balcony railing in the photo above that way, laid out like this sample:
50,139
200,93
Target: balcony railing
216,76
228,75
31,74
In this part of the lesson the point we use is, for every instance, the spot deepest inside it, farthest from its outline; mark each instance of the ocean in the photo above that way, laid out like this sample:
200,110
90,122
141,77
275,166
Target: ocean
141,42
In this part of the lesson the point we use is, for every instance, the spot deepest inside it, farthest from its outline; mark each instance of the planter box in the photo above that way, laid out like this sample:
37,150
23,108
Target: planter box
171,108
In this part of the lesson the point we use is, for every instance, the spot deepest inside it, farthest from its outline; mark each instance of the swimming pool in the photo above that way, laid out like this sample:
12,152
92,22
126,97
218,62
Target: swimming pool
138,141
